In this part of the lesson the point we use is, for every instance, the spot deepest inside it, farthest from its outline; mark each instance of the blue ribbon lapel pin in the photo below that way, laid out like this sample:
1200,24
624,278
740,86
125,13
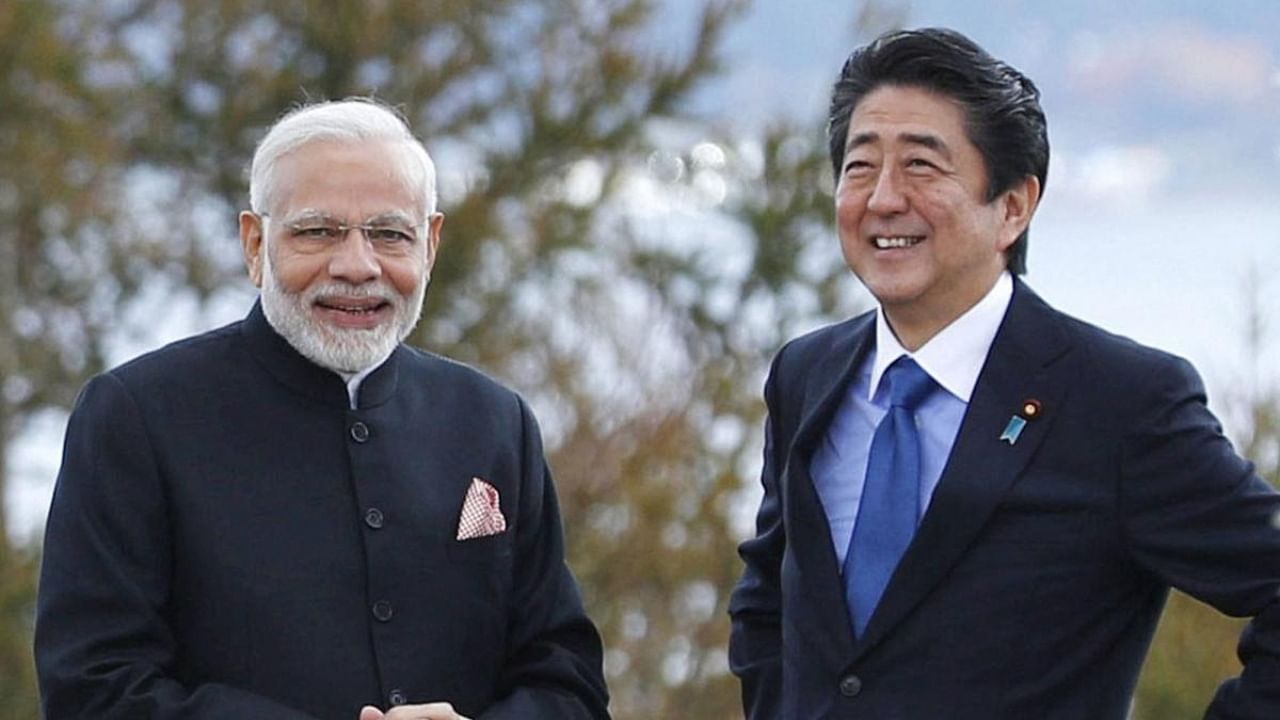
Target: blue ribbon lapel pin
1030,410
1013,430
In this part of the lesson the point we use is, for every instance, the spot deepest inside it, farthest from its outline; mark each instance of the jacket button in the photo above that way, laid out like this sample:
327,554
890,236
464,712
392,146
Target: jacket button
396,697
359,432
373,518
850,685
382,610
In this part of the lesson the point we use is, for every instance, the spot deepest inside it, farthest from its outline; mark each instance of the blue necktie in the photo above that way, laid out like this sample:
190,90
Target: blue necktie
890,503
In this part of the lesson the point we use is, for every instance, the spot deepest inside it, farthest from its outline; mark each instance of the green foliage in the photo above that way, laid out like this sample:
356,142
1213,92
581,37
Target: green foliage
56,257
58,266
17,671
1193,652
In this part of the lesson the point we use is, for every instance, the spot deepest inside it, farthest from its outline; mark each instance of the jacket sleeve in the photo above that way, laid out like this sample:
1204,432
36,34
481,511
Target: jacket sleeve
1199,517
554,667
103,646
755,608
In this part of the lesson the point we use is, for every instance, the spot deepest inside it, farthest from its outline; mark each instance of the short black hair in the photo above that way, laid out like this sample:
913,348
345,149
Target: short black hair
1003,116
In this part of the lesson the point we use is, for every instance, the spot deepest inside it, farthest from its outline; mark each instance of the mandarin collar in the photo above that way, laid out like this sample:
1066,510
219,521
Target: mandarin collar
322,385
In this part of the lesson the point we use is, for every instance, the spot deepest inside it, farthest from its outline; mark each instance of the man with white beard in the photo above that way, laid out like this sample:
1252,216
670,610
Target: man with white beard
296,516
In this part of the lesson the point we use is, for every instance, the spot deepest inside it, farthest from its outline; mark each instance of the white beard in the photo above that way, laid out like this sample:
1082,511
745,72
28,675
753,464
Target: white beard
343,350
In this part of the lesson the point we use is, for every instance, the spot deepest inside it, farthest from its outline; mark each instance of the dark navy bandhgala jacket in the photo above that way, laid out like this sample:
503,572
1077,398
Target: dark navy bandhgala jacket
228,539
1033,584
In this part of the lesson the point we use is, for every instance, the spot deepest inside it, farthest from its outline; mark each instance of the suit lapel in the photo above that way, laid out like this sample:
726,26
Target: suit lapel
1022,364
826,623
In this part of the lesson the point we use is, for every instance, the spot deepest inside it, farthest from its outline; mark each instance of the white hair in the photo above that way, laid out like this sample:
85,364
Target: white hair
351,120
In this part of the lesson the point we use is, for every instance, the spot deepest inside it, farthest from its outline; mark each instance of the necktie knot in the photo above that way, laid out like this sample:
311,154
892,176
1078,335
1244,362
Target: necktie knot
909,384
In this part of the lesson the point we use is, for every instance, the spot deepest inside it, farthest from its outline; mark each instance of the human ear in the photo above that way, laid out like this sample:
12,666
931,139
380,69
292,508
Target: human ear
1018,204
434,224
251,237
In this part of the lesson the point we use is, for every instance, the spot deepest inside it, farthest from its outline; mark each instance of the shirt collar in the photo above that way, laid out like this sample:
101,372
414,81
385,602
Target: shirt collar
353,381
953,357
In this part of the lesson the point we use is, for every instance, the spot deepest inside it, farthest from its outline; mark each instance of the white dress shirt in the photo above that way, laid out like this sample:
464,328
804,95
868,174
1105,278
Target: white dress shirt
953,358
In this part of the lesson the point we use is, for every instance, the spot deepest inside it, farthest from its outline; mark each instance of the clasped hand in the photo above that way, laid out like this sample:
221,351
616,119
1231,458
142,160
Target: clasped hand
428,711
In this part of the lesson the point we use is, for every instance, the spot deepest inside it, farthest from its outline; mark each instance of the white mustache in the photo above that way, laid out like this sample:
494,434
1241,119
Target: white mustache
333,290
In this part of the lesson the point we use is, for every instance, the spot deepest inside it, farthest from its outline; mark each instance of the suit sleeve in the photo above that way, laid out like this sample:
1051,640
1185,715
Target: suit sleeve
1201,519
554,667
103,647
755,640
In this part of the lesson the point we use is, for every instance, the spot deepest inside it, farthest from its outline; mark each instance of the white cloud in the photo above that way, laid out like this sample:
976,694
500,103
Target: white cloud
1123,174
1190,63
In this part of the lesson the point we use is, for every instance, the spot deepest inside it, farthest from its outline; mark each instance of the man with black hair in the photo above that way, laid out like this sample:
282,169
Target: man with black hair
974,506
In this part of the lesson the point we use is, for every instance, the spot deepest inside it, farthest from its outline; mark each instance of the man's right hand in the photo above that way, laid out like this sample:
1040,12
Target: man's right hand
428,711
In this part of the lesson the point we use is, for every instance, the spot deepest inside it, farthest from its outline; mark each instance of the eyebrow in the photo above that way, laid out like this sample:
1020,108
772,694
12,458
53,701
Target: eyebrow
313,215
306,215
394,216
926,140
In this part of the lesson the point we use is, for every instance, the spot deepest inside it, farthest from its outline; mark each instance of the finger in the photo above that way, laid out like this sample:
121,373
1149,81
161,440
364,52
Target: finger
369,712
426,711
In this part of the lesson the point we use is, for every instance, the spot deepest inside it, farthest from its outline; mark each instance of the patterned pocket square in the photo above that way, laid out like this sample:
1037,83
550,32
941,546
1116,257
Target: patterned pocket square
481,515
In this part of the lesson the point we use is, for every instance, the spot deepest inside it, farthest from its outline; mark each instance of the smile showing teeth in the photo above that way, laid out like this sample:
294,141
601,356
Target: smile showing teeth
362,309
885,243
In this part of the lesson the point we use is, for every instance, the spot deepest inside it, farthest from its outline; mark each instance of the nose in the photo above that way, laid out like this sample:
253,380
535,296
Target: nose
354,260
887,197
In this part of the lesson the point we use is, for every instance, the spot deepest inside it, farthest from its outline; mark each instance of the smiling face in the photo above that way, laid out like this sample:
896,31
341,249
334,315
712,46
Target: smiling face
912,214
343,297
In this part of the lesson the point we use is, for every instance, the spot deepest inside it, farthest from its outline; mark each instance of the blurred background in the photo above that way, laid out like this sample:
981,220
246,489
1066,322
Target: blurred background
639,214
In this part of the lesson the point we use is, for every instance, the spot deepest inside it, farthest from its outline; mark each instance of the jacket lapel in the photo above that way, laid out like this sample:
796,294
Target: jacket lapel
1021,365
826,624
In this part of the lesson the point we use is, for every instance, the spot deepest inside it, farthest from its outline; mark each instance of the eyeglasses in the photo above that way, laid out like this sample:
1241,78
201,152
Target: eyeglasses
389,236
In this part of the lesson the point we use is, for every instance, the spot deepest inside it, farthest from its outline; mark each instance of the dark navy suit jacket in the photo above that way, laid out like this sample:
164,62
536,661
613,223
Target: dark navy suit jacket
1032,587
228,539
